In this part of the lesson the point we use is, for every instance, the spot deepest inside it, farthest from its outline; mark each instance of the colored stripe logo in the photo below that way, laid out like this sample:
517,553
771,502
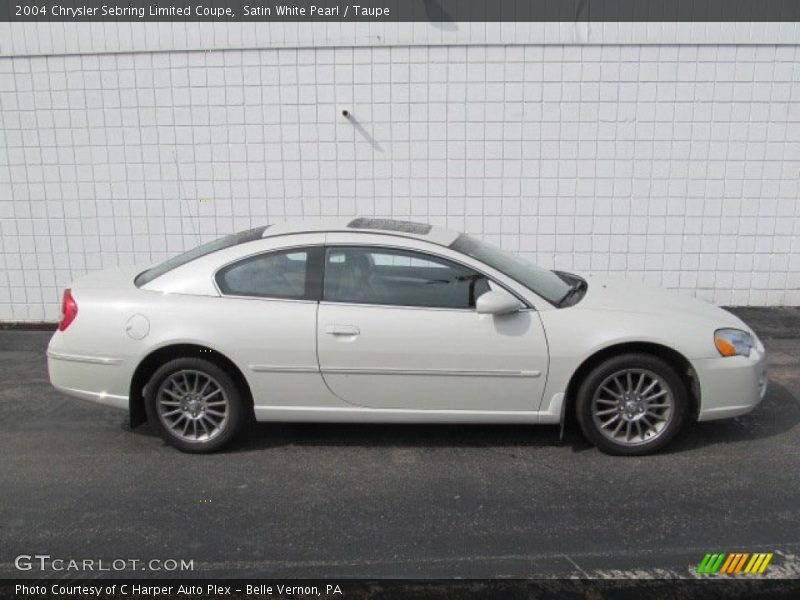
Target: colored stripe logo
735,562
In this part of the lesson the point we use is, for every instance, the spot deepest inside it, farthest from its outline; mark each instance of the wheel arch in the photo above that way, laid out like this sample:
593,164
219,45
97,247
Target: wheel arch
675,359
150,363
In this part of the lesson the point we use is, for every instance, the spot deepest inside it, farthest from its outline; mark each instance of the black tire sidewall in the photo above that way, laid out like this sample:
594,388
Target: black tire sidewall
235,405
599,373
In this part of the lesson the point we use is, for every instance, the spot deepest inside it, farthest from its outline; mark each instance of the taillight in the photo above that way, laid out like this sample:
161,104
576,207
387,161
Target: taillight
69,310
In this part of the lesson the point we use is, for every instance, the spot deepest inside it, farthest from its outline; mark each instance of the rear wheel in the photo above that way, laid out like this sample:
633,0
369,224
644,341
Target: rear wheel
194,404
632,404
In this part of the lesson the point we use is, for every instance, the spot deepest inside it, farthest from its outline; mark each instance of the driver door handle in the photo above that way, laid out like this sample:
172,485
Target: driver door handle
342,330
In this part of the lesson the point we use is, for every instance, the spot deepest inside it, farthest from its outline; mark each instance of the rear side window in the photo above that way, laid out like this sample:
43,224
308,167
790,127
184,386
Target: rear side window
279,274
176,261
367,275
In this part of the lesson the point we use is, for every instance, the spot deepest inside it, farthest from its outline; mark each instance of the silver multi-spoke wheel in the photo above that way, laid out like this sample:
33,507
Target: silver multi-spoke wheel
632,406
192,405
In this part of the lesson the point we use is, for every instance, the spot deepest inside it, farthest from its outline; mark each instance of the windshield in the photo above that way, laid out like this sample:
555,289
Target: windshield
220,244
547,284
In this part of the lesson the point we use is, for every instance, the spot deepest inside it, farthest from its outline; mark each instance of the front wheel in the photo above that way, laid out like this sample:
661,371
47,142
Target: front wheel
194,404
632,404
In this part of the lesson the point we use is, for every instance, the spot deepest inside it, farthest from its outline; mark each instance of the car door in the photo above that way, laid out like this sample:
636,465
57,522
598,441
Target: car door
397,329
266,318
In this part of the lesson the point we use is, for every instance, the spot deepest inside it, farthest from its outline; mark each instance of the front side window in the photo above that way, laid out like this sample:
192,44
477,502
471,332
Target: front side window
280,274
387,276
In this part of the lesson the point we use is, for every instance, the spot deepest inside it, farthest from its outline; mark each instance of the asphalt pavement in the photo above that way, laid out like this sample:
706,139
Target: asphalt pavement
312,500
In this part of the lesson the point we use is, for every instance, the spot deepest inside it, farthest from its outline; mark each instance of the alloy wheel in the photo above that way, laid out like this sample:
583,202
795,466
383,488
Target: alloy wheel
632,406
192,405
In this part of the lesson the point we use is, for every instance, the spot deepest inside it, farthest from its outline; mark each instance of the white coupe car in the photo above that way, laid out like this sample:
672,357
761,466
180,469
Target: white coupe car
374,320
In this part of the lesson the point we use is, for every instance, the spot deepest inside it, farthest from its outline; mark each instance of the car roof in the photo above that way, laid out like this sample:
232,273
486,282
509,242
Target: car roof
408,229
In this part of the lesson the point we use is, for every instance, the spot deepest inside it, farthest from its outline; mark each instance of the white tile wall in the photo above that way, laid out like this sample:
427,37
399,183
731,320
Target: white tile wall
675,165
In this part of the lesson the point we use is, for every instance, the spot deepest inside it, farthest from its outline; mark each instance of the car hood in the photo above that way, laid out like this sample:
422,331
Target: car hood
621,296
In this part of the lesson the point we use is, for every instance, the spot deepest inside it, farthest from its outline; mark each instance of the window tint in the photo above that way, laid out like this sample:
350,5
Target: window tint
220,244
399,277
280,274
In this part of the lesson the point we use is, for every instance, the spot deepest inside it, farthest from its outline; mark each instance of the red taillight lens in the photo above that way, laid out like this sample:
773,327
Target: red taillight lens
69,310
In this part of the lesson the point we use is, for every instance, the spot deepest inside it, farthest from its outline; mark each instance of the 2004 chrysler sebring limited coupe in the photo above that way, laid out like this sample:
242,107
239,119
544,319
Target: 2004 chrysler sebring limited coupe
376,320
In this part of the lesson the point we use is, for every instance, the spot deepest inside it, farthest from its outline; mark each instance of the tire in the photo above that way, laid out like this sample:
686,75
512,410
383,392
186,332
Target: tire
194,404
632,404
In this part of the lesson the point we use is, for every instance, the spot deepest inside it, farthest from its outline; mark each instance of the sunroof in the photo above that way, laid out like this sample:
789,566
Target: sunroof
390,225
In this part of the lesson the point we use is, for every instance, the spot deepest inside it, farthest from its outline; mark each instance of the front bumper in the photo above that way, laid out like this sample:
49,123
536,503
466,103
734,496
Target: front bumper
731,386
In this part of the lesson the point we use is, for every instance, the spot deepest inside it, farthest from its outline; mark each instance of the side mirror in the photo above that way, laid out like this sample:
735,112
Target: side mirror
497,302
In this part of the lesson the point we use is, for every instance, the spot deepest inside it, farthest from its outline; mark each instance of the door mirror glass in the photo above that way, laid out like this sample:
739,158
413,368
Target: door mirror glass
497,302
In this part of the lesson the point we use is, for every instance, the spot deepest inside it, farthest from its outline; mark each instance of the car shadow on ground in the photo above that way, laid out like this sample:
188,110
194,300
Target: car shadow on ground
258,436
265,435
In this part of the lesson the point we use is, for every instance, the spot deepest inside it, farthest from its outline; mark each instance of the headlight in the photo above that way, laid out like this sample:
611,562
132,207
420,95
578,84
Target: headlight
733,342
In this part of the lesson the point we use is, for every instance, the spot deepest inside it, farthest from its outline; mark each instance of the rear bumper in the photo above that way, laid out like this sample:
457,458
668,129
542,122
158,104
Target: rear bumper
731,386
100,379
